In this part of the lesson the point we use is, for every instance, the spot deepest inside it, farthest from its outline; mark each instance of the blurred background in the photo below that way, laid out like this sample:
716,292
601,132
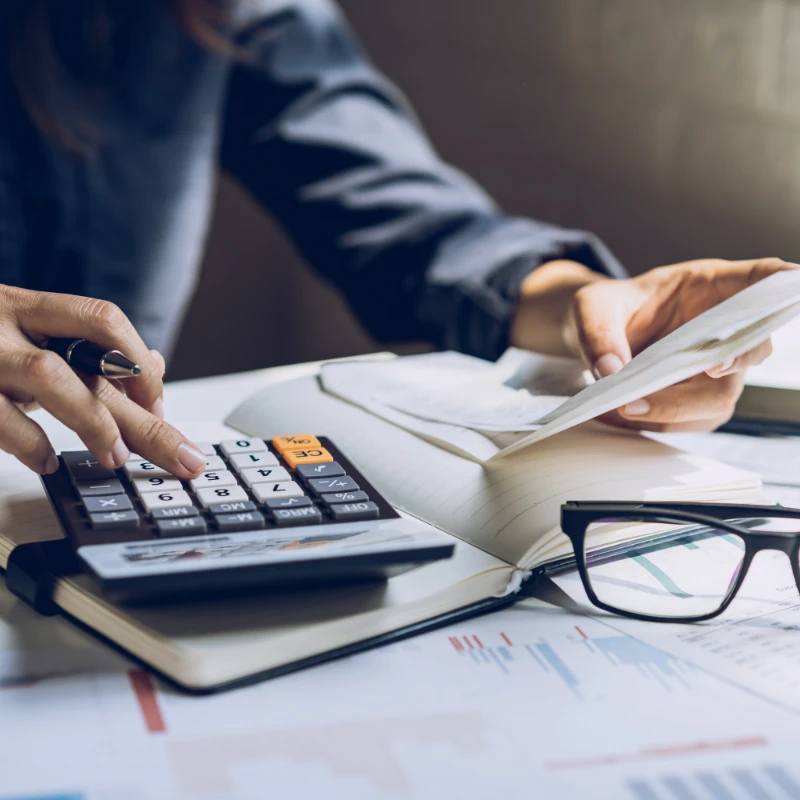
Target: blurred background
669,127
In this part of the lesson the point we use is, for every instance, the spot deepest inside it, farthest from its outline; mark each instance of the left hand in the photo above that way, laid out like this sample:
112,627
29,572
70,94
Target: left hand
565,309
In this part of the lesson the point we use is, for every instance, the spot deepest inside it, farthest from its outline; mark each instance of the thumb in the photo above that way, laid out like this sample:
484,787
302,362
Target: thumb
601,313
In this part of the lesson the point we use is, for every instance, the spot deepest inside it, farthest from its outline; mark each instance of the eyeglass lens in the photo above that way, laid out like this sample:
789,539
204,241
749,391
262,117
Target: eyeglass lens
677,570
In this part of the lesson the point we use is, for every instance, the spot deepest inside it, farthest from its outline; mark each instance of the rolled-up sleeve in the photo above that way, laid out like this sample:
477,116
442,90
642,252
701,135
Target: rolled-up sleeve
331,148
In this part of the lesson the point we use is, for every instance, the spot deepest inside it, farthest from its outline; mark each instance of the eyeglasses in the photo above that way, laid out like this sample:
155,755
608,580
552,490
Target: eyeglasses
671,562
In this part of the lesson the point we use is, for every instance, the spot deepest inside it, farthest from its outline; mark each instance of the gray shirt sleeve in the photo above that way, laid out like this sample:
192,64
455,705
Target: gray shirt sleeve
332,149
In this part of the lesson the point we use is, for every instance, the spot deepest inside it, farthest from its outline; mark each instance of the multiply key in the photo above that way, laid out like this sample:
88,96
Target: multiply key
114,502
343,484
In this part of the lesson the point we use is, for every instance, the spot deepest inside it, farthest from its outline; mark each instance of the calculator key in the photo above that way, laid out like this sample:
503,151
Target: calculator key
308,455
206,448
308,515
154,500
264,475
288,502
232,508
270,491
157,484
214,464
242,461
324,485
83,466
174,513
112,502
231,446
243,521
348,511
222,494
145,469
296,442
181,526
114,521
213,480
332,470
95,488
344,497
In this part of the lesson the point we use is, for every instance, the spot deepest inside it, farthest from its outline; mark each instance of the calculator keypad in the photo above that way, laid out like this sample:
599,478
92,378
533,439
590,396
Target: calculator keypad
248,485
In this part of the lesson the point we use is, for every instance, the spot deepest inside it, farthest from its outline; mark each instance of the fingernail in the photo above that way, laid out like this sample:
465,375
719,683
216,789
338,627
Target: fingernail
158,408
51,464
119,453
606,365
191,458
638,408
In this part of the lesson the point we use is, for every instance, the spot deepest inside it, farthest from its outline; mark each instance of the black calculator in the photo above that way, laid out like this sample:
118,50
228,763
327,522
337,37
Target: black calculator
290,512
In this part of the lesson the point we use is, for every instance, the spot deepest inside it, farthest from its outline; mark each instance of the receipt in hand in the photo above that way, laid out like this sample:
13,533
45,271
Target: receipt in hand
487,410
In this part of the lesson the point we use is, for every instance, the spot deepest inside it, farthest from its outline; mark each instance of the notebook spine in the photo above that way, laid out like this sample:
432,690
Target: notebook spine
33,570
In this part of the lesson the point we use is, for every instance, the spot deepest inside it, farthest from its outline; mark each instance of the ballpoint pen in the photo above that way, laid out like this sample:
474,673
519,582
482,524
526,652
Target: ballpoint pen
83,355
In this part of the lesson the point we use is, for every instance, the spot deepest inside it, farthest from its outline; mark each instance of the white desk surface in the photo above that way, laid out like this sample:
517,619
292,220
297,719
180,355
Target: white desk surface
531,699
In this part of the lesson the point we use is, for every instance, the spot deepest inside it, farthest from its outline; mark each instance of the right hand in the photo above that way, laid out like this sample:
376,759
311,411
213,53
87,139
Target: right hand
109,418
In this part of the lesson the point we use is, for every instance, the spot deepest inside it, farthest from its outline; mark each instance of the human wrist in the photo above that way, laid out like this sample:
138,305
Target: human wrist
541,320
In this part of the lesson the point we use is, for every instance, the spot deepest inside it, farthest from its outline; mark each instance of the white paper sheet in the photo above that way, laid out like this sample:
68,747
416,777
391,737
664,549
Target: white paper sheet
478,410
530,698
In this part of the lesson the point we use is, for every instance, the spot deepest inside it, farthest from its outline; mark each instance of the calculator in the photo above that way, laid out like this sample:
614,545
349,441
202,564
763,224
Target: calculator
294,511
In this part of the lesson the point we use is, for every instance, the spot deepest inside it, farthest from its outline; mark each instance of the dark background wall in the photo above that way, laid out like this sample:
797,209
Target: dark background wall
670,127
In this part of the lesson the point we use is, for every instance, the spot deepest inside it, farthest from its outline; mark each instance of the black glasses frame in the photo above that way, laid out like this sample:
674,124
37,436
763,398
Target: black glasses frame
577,516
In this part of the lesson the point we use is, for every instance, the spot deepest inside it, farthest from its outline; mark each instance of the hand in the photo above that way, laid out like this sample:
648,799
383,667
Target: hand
607,322
108,417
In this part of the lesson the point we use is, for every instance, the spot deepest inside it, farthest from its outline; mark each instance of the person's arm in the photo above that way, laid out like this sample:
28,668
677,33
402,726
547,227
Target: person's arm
330,147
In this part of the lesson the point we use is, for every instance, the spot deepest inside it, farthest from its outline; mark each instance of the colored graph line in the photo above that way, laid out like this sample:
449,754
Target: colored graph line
145,692
45,797
661,576
660,752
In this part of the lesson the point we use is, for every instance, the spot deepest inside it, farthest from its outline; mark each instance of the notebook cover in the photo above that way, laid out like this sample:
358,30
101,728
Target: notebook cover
34,569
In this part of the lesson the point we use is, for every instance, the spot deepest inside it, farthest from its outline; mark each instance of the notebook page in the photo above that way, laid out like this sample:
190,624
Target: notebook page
504,507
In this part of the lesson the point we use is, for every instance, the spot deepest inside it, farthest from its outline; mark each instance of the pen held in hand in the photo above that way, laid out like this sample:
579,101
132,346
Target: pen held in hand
92,359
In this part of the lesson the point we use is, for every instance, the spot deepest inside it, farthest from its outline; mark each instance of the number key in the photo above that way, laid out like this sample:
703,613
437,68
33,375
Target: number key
242,461
264,475
269,491
157,484
145,469
154,500
213,480
223,494
231,446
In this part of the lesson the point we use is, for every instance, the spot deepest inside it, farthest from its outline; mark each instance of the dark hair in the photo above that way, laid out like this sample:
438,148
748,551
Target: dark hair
61,61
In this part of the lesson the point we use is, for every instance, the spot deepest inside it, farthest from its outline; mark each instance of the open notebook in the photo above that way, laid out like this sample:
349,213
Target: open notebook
504,513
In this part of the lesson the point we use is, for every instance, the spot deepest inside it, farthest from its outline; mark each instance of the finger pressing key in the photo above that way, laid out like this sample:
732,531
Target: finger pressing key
148,435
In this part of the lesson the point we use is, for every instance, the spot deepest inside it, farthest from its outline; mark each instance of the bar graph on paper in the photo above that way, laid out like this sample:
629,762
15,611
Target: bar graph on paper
577,660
